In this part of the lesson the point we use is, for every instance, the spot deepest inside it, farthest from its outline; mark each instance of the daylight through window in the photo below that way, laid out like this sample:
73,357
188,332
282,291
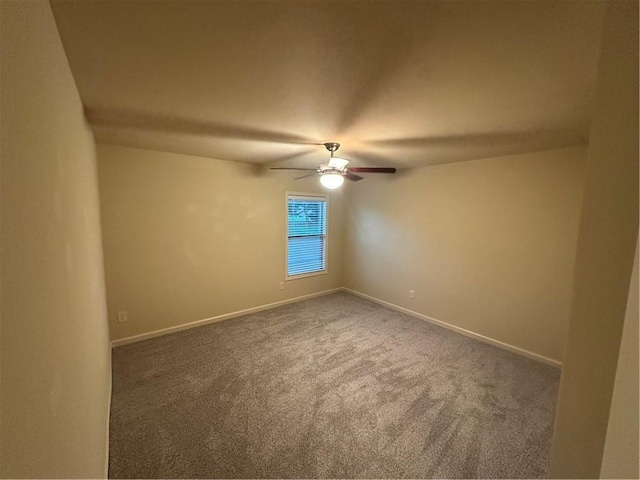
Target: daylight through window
306,235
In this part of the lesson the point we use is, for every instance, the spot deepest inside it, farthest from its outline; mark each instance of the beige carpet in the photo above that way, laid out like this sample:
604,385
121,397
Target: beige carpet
333,387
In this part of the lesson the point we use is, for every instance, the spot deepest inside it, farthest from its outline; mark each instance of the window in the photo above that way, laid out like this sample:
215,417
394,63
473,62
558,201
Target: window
306,235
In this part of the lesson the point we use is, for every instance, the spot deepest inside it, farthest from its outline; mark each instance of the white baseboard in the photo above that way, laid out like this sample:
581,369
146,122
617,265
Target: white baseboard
219,318
462,331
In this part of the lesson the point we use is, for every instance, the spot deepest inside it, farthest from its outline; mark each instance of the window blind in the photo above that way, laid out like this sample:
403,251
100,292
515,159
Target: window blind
306,234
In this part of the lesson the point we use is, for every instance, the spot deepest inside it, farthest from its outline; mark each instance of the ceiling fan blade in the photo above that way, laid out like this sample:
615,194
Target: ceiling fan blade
307,175
353,177
292,168
372,169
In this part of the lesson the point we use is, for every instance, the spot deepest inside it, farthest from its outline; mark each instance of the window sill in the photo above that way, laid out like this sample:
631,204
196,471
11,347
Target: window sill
304,275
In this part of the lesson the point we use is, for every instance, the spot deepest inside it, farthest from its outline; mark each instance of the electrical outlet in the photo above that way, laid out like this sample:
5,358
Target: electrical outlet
281,285
122,317
412,294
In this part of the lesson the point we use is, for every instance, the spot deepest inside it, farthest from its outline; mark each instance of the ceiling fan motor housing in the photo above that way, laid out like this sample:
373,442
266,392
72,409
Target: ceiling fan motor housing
325,169
332,146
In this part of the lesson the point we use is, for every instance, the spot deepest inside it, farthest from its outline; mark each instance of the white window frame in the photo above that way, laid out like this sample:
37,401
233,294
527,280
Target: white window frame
311,196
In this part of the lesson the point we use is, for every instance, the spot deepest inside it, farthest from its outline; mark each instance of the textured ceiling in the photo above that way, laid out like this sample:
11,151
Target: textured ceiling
397,83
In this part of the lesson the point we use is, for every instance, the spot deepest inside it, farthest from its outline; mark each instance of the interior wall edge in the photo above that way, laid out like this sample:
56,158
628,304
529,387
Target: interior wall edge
55,345
108,422
462,331
225,316
604,256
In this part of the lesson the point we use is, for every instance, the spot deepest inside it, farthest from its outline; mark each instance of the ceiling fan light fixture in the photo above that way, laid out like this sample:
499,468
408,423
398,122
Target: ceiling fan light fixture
331,180
333,173
338,163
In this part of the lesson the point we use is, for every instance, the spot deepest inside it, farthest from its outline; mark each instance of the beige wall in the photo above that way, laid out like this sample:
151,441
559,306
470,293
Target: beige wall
604,258
487,245
56,373
188,238
620,459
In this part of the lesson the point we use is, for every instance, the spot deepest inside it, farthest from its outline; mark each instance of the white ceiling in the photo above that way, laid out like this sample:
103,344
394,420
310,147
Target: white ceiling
397,83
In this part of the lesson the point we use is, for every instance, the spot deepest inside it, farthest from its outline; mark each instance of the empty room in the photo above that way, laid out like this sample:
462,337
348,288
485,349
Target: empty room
319,239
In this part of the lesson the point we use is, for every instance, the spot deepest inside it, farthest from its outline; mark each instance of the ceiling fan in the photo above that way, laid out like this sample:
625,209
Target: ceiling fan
333,173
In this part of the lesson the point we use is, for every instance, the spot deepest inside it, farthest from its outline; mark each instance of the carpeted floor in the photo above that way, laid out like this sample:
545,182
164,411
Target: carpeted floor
333,387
